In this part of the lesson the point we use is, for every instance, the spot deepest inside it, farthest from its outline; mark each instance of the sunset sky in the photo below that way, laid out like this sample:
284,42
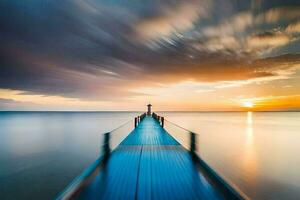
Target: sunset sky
193,55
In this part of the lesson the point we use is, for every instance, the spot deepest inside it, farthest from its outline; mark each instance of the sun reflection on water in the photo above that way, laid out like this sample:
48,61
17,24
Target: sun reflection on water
250,158
249,129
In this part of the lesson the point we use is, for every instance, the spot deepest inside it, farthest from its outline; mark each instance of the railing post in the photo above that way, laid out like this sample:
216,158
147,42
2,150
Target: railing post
106,146
135,122
142,116
162,121
193,144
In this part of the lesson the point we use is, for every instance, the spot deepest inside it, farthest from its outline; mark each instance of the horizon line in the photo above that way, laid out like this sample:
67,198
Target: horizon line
298,110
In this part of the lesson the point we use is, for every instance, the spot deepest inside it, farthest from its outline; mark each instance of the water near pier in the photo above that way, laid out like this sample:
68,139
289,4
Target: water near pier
40,152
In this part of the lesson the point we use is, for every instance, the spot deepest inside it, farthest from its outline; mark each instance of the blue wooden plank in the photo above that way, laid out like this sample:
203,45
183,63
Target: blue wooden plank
145,176
174,175
118,179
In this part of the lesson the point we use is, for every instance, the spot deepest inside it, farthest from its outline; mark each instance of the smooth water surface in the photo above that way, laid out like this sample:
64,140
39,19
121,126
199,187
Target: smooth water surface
42,152
256,151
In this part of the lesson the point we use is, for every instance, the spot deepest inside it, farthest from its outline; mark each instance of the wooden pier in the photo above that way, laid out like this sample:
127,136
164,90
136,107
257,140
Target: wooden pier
149,164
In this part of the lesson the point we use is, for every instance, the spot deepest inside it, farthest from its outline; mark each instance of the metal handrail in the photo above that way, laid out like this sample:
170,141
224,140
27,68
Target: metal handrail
179,126
160,119
192,136
113,130
107,136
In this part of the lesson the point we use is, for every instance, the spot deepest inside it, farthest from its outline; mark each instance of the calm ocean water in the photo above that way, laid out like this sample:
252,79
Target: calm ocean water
41,152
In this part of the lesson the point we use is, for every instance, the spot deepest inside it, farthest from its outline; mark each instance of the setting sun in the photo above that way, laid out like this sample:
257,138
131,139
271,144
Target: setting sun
248,104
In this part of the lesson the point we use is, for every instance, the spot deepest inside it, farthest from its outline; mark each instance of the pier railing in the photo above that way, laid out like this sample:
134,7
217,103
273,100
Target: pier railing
186,138
113,138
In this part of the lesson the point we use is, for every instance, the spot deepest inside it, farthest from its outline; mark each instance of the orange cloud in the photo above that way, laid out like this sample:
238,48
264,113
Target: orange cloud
293,28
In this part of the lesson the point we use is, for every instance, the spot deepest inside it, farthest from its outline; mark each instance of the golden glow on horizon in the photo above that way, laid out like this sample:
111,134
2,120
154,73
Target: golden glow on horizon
182,97
274,103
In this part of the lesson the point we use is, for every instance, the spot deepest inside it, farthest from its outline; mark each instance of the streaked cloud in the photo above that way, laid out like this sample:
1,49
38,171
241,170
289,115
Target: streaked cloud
293,28
278,14
172,19
267,41
235,24
15,96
